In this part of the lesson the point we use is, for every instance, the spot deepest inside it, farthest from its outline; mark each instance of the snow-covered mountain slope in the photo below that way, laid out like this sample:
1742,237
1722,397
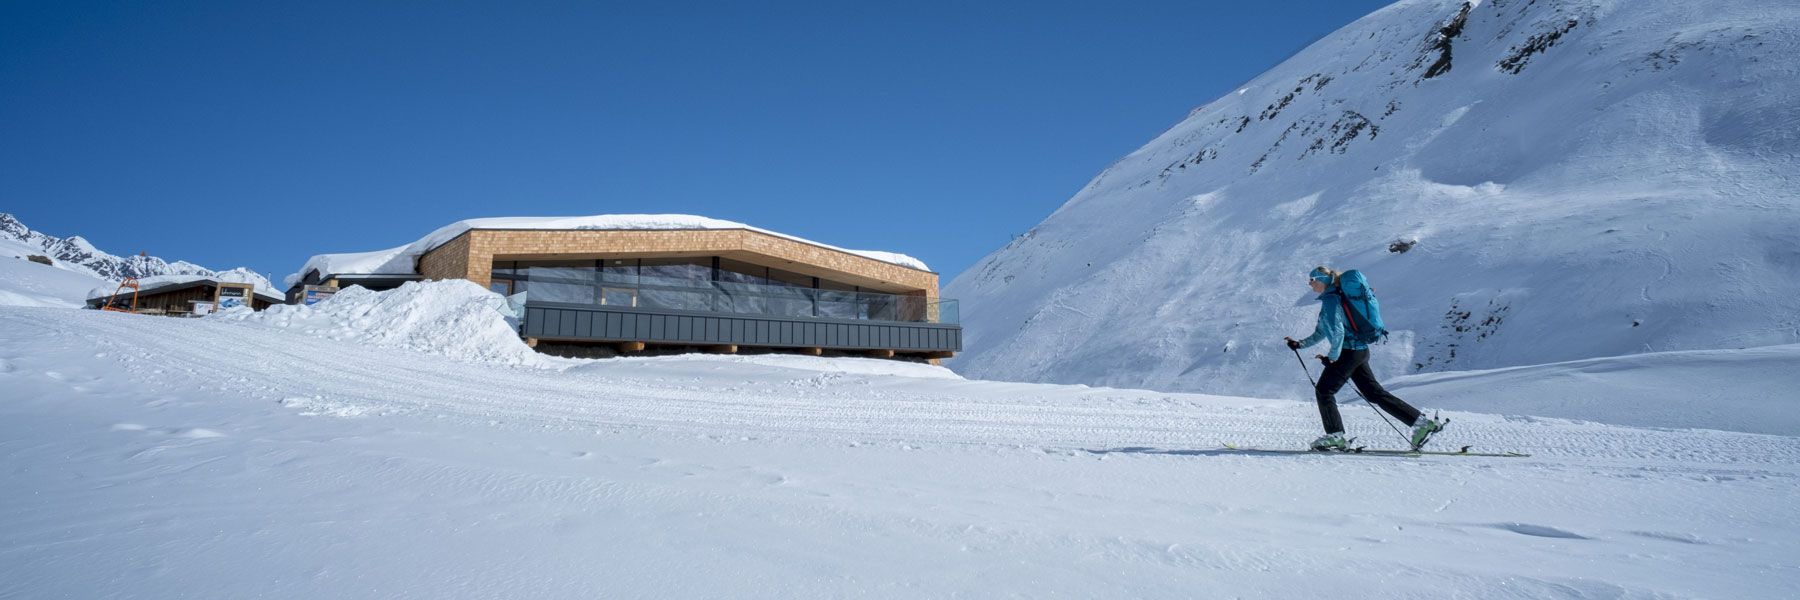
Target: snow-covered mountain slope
75,253
154,457
1525,182
1739,390
25,283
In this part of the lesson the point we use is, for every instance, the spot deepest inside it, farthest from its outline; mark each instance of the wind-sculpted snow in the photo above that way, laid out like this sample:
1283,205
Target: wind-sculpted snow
156,457
1525,182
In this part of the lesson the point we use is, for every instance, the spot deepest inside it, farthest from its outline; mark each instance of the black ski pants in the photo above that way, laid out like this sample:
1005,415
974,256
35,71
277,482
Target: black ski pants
1353,366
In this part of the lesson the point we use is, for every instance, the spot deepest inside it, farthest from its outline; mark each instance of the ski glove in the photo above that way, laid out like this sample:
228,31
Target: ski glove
1292,343
1323,360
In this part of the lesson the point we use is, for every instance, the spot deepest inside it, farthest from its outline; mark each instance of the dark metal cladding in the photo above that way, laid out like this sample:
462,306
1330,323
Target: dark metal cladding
589,322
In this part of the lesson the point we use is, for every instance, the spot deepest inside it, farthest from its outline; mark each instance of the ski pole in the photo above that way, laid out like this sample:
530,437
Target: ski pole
1384,418
1309,378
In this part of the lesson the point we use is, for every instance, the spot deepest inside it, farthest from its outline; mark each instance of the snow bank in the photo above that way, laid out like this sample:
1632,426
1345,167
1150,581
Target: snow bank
400,260
453,318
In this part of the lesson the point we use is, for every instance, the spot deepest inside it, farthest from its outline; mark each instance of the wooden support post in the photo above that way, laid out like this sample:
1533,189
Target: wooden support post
531,342
631,346
881,353
725,349
813,351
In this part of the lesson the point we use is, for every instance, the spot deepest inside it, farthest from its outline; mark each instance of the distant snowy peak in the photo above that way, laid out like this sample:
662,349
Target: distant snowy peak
1526,181
76,254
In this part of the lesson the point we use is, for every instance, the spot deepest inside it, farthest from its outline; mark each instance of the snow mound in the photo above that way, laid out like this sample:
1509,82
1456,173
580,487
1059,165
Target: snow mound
453,318
400,261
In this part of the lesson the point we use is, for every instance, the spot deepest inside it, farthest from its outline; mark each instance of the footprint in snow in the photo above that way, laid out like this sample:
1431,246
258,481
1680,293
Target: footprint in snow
192,433
1670,537
1539,531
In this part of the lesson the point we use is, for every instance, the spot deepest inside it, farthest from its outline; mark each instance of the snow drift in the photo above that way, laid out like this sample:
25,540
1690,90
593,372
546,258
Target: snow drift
453,318
1524,182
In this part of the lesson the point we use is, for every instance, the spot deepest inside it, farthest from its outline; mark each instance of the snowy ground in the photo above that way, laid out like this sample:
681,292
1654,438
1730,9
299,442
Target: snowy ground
157,457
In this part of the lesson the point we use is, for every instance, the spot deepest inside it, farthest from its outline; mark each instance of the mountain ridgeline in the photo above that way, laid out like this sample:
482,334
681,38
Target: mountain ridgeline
74,253
1524,181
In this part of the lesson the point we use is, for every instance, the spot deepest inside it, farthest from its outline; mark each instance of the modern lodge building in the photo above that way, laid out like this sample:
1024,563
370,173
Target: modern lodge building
633,283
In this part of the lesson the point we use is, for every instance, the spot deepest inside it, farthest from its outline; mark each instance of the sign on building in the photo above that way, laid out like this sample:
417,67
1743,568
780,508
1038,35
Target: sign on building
232,295
315,294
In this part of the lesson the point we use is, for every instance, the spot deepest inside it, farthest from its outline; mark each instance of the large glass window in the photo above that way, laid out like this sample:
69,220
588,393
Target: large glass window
693,284
838,300
619,270
737,271
675,272
618,296
675,283
564,284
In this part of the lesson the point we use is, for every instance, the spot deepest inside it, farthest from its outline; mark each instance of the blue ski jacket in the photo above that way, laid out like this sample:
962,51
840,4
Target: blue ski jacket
1331,327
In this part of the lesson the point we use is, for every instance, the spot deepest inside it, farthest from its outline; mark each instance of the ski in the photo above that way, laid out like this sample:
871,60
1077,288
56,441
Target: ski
1465,451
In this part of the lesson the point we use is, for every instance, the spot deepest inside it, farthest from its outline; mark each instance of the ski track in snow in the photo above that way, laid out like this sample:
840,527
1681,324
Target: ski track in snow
770,482
805,404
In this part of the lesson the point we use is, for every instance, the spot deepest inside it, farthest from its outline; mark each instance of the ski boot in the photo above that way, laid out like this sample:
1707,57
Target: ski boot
1331,442
1423,430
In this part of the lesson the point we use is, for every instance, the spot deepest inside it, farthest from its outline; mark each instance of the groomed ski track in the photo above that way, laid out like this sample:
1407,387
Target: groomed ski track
270,366
165,446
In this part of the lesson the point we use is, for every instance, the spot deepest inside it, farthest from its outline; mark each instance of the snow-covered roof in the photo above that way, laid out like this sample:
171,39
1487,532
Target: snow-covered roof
400,260
392,261
148,284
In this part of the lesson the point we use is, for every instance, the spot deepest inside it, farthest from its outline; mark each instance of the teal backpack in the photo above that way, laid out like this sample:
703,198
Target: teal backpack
1362,313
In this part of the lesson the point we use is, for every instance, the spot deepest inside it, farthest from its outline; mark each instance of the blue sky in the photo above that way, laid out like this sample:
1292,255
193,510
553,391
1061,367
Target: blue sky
259,133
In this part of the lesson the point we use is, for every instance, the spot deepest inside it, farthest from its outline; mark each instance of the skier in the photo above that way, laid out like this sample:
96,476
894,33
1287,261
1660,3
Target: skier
1348,359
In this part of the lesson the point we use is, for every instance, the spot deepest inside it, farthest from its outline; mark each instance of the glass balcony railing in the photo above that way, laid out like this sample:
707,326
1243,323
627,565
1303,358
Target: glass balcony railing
577,285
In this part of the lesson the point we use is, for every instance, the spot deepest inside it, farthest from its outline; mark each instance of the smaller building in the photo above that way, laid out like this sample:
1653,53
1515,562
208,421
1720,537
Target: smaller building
376,271
183,295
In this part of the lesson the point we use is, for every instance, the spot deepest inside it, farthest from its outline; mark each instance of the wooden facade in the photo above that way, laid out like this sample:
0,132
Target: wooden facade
177,300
